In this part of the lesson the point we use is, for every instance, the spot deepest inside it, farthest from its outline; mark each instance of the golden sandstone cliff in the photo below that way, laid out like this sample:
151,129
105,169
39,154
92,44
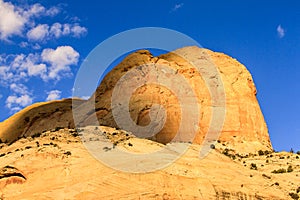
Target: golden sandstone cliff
244,126
44,156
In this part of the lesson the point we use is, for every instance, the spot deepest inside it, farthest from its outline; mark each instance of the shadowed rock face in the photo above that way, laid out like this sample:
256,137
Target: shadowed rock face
38,118
244,124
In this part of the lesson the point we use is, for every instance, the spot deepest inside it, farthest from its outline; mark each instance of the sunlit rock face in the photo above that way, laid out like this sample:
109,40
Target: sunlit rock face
171,78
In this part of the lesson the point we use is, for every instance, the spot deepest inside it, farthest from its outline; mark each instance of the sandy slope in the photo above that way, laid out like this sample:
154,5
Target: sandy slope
56,165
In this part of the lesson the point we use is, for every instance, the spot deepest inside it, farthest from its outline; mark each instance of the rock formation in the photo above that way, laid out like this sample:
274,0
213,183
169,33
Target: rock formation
38,118
244,125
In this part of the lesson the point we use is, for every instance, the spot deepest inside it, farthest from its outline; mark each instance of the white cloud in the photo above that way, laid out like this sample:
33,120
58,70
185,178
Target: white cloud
19,89
20,98
5,74
2,58
280,31
38,33
20,21
177,6
14,71
55,30
32,67
11,20
52,11
60,60
43,32
66,29
51,64
23,44
78,31
14,102
36,46
22,67
37,70
35,10
14,19
53,95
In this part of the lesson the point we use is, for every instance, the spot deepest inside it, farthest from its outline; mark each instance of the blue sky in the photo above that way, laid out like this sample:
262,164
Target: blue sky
43,43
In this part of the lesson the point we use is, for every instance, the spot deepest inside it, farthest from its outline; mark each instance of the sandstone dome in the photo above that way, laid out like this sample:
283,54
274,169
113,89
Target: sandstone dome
244,126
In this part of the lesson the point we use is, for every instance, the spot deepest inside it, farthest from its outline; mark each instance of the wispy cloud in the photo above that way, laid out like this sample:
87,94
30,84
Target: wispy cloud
44,32
40,61
15,19
50,64
177,6
21,97
15,103
38,33
53,95
20,21
280,31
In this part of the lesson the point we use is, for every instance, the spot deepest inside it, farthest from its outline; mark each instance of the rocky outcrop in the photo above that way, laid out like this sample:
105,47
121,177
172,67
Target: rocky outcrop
244,127
38,118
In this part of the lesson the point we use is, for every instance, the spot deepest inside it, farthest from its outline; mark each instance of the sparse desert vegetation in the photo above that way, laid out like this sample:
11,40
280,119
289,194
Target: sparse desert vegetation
63,146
